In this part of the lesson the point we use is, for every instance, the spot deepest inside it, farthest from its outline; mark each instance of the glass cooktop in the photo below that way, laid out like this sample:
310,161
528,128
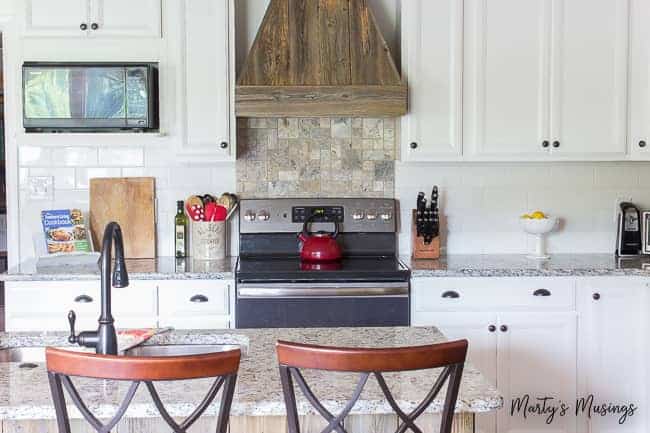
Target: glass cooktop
291,269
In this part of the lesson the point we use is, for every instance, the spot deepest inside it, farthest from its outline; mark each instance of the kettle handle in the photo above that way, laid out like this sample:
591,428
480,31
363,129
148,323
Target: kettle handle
305,227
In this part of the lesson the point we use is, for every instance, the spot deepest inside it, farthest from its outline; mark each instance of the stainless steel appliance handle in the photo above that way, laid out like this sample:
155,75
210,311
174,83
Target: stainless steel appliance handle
321,290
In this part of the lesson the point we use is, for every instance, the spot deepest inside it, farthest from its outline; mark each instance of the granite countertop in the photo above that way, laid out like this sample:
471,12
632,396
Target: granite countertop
516,265
24,393
162,268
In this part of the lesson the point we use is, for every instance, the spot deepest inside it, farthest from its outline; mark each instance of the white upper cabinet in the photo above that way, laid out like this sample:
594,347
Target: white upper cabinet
639,133
206,92
432,64
126,18
589,77
60,18
93,18
506,94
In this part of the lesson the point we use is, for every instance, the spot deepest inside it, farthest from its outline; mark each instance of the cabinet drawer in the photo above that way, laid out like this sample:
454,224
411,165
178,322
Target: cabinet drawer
493,294
52,296
193,297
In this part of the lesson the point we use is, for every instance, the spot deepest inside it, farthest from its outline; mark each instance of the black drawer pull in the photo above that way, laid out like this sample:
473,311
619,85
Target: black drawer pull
451,294
492,328
541,292
596,296
503,328
199,299
83,299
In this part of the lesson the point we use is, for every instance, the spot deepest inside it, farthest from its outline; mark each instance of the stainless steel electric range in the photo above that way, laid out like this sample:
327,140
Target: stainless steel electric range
368,287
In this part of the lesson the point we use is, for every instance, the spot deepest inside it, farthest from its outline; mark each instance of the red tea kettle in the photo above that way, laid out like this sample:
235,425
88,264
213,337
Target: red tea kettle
320,246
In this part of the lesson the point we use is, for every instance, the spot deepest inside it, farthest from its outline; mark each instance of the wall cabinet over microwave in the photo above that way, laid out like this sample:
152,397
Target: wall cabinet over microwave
93,18
574,86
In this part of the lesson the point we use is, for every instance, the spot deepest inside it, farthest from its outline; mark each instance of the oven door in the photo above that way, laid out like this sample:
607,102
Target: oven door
304,305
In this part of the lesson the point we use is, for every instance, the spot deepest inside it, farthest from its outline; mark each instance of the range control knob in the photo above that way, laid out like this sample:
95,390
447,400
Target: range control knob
358,215
249,216
371,215
386,216
263,215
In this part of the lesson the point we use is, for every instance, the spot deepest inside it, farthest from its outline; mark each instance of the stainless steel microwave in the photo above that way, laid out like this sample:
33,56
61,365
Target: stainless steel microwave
84,97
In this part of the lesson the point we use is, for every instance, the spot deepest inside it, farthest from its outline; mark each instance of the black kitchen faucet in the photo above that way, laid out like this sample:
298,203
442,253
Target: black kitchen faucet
104,340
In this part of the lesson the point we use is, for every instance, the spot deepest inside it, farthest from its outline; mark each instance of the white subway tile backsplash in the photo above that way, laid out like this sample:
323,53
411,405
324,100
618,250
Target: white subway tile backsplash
32,156
132,156
83,175
74,156
481,203
63,177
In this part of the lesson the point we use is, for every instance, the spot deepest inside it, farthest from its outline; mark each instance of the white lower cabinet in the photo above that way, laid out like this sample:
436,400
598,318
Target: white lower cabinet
580,341
197,304
182,304
613,353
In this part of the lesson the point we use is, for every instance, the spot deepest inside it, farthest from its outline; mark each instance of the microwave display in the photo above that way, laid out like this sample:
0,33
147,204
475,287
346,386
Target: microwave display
89,97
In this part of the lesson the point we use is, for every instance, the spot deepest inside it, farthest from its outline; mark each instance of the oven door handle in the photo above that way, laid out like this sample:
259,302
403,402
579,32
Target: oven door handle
316,290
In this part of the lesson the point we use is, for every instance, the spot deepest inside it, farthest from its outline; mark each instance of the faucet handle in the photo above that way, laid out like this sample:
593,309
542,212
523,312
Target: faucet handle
72,317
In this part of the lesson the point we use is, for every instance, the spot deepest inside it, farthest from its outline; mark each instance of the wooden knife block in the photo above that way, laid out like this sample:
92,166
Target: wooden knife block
420,250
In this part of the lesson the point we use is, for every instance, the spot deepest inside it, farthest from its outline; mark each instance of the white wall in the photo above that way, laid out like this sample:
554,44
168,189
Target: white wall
481,203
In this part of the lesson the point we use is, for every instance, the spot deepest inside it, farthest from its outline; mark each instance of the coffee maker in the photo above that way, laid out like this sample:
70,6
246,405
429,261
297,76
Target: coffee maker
628,239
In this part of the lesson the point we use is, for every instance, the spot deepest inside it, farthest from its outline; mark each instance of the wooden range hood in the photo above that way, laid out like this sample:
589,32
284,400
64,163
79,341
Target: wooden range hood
320,58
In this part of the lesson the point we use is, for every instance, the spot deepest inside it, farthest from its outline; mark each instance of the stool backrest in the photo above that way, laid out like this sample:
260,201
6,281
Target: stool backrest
293,357
64,364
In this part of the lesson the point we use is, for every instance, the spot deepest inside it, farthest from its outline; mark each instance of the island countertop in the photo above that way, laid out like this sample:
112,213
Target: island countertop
25,395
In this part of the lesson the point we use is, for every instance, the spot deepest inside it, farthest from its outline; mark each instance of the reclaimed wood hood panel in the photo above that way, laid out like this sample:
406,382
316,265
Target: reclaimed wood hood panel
320,58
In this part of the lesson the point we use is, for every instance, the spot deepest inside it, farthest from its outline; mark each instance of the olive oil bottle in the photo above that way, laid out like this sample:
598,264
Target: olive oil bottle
180,235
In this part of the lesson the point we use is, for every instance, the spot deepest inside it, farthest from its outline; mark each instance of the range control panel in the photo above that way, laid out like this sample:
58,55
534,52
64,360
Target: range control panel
354,215
321,214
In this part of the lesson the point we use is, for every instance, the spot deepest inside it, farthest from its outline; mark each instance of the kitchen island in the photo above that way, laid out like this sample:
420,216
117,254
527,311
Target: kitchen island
258,405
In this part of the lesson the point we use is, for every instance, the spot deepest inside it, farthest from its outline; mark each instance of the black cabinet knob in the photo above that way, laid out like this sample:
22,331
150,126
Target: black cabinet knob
83,26
503,328
556,144
199,299
83,299
642,143
414,145
542,292
492,328
94,26
223,145
596,296
546,144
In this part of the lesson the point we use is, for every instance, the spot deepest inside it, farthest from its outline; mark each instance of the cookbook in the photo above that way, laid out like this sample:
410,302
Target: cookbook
65,231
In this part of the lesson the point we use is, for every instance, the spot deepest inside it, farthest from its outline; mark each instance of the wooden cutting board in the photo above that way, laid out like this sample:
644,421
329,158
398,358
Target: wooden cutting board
129,201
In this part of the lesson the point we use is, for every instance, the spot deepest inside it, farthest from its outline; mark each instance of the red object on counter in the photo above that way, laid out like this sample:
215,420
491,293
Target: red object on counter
320,246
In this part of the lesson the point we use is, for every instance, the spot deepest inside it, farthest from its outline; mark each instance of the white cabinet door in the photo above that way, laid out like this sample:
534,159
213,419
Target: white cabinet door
536,357
612,359
206,88
126,18
639,134
589,86
56,18
480,330
433,54
506,94
197,304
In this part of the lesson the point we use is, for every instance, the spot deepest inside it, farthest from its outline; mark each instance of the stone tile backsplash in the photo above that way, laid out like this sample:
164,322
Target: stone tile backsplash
316,157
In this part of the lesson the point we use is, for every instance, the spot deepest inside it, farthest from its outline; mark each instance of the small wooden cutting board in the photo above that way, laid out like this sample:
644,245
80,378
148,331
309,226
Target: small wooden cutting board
129,201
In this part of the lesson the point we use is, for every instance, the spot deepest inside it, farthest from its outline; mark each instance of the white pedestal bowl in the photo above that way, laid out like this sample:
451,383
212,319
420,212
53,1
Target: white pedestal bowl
539,228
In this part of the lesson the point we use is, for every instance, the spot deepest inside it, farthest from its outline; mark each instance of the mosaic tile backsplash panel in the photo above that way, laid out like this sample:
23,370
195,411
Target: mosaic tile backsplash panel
316,157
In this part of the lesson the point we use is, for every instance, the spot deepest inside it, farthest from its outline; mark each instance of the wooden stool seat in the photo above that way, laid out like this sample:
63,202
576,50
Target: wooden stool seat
294,356
63,364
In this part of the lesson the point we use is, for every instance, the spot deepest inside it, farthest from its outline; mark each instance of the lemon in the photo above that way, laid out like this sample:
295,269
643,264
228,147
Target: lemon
538,215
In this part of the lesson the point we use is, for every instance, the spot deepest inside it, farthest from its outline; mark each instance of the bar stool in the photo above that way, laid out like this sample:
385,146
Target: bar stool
62,364
293,357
